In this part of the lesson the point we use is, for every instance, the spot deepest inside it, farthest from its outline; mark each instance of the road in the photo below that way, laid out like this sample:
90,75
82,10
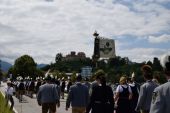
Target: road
29,105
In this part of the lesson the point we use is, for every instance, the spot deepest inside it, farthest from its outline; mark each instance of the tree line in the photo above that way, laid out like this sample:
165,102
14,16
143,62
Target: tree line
114,67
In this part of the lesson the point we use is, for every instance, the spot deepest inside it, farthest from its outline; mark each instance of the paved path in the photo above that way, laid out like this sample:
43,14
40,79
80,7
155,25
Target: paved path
29,105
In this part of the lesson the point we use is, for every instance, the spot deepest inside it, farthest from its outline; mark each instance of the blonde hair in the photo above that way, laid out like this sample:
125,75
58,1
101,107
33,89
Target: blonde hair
123,80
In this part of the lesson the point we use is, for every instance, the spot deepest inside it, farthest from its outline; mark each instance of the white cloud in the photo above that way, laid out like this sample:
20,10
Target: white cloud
159,39
42,29
142,54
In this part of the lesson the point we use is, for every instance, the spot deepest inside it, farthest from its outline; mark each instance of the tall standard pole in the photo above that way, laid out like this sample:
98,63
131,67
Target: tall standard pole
96,54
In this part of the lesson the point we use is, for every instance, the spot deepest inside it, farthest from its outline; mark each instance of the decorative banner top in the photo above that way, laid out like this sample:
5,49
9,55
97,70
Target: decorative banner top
106,48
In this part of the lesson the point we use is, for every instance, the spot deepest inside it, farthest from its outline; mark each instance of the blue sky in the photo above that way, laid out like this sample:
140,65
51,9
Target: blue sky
43,28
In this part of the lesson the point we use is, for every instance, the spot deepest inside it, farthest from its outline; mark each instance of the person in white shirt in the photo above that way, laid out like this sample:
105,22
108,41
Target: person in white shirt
9,93
123,96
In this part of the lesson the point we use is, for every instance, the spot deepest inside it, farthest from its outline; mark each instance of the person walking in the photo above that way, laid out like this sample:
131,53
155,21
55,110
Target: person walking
48,97
78,96
21,89
87,83
145,94
69,84
101,100
32,88
160,97
135,95
96,82
9,94
37,86
123,96
63,85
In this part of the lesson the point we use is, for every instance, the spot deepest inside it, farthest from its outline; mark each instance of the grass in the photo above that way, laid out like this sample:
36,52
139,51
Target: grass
3,107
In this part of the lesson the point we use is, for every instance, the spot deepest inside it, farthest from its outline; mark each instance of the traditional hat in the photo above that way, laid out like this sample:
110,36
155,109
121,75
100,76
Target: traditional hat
79,77
48,78
146,68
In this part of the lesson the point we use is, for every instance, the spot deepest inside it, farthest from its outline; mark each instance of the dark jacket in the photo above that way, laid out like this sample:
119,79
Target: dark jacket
101,100
78,96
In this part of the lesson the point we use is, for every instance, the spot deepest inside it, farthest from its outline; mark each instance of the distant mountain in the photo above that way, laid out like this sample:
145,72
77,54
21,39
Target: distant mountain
5,66
41,65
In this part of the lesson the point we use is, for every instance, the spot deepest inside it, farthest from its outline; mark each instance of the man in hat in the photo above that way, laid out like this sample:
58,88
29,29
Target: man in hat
48,97
160,98
78,96
145,94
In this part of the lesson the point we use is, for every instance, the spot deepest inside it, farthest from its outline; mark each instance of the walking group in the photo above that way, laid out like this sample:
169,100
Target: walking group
98,97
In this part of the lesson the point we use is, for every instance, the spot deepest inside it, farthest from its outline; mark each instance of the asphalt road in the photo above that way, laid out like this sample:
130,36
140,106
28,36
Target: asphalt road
29,105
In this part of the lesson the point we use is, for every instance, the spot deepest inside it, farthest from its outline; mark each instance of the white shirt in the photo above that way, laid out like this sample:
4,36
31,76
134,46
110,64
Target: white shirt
120,89
10,91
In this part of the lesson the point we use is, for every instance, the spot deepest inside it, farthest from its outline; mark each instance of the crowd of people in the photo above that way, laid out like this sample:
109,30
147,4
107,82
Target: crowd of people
98,97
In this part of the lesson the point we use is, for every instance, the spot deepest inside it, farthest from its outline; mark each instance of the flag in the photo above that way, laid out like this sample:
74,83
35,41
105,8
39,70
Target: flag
106,48
46,74
133,74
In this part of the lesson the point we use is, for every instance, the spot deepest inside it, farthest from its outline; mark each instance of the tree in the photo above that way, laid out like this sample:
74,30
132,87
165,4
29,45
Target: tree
58,57
25,66
73,77
149,63
156,64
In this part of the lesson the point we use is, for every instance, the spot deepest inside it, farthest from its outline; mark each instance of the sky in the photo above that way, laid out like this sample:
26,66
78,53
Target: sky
43,28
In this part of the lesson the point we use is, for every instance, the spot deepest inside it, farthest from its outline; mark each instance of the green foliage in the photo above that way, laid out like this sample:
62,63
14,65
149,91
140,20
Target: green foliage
71,65
156,65
3,107
112,76
63,75
113,67
73,77
24,66
38,72
98,72
56,74
159,76
149,63
58,57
